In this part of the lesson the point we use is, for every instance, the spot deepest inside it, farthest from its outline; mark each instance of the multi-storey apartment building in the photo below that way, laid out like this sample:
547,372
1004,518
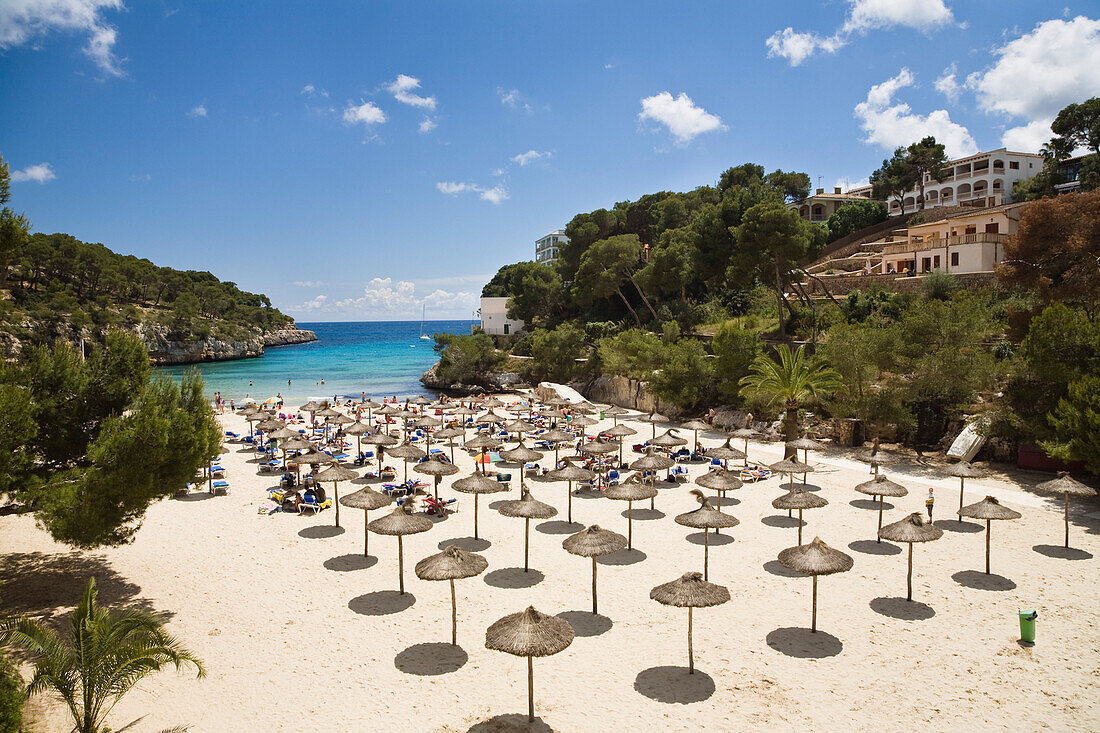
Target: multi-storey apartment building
546,248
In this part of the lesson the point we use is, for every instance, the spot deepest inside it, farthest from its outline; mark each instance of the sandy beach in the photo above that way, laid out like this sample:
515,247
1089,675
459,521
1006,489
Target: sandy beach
298,631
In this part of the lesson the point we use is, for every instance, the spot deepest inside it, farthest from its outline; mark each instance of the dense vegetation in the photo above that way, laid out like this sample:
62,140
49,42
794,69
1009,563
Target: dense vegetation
88,444
686,290
58,285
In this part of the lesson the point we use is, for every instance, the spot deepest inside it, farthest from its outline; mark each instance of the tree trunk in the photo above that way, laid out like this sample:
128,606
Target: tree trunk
628,307
779,302
644,299
790,430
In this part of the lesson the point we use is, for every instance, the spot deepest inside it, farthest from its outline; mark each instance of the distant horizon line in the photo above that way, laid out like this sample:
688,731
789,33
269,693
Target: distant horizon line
429,320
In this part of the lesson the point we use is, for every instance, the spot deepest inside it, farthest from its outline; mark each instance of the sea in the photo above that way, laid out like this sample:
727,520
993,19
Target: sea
380,358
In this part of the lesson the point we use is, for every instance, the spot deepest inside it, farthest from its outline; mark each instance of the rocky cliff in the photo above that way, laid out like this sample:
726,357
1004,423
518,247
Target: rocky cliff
501,382
626,392
163,351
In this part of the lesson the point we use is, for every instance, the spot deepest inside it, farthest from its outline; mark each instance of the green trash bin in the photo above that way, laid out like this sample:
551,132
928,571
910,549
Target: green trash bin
1027,626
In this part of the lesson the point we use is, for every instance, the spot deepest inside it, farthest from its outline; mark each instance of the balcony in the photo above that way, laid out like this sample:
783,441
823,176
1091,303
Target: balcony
944,242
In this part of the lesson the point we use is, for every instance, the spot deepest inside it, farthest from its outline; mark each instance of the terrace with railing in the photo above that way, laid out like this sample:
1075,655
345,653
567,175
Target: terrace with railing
944,242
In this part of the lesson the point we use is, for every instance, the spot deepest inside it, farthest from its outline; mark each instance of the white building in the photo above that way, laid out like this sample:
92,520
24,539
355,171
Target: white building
546,248
980,180
495,320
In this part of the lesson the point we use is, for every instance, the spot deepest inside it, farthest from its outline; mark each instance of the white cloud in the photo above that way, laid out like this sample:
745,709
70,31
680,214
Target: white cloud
366,113
140,178
1029,138
609,66
314,304
39,173
199,110
797,47
891,125
494,195
308,284
310,91
383,297
680,115
496,172
863,16
402,90
847,184
21,21
427,125
1038,74
529,157
512,99
947,85
440,299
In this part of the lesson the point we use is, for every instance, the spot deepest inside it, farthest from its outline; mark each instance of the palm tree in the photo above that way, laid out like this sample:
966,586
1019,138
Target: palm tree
794,379
107,654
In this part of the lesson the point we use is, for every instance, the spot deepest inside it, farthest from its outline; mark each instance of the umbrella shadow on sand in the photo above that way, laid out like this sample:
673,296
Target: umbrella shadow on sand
777,568
1062,553
431,658
469,544
978,580
622,557
803,643
870,547
320,531
954,525
510,723
586,623
557,526
870,504
349,562
513,578
700,538
674,685
900,608
645,514
381,603
781,520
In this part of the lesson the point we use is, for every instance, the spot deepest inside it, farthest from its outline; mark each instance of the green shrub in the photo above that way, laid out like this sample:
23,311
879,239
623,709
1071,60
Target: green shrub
686,376
734,350
12,697
632,353
467,359
554,352
939,285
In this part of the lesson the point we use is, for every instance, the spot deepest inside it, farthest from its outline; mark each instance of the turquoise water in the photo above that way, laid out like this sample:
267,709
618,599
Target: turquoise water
379,358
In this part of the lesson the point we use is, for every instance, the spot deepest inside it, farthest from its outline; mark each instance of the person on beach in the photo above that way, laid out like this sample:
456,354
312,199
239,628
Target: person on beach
928,502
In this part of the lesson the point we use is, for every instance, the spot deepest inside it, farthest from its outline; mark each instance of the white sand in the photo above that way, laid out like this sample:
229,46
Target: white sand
297,634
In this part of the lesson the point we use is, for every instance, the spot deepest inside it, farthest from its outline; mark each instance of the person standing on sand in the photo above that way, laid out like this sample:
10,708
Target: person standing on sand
928,502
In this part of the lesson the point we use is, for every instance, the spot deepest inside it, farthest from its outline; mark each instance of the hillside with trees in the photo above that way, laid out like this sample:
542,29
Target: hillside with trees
54,287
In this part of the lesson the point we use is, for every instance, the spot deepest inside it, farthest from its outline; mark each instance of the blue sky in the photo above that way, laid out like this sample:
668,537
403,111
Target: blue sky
356,160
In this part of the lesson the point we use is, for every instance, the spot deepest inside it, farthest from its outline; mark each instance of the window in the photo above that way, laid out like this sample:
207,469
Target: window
1014,165
954,259
993,228
936,262
926,264
506,329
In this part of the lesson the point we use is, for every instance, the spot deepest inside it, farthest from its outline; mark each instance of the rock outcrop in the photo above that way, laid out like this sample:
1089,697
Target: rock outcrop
626,392
489,382
164,351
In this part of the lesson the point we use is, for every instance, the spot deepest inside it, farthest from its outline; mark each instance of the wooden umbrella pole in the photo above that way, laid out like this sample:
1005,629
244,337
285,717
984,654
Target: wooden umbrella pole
366,531
475,516
336,499
1067,519
691,657
877,538
813,623
569,498
521,479
400,565
593,585
526,541
530,688
454,615
630,525
800,526
989,525
909,577
706,551
962,483
652,499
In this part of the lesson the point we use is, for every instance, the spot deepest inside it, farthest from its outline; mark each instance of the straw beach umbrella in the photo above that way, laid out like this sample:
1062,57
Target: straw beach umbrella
800,499
407,453
695,426
437,469
744,434
690,591
668,440
599,449
618,432
805,445
529,508
653,418
399,523
312,457
477,483
556,437
725,452
521,454
815,559
365,499
1065,485
630,491
651,463
336,473
381,441
358,429
964,470
909,530
876,457
449,434
593,542
791,466
705,518
880,486
452,564
720,480
570,473
482,442
988,509
529,634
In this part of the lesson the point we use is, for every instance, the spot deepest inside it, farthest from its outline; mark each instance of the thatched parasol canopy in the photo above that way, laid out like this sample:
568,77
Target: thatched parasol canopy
296,443
668,439
477,483
881,486
964,469
571,472
527,507
719,479
366,499
380,439
556,435
705,518
815,559
337,472
399,523
357,428
481,441
520,426
312,406
529,634
598,448
490,417
690,591
436,467
790,466
652,462
653,417
284,433
451,564
988,509
799,499
311,458
1066,486
807,444
696,425
407,452
339,419
620,431
630,491
594,541
910,530
520,454
725,452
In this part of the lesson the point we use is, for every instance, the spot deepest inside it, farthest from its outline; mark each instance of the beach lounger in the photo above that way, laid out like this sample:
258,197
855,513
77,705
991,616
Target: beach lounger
221,486
441,507
504,478
310,503
612,478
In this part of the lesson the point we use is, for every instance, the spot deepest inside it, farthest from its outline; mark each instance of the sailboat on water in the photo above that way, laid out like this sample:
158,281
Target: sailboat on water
423,336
